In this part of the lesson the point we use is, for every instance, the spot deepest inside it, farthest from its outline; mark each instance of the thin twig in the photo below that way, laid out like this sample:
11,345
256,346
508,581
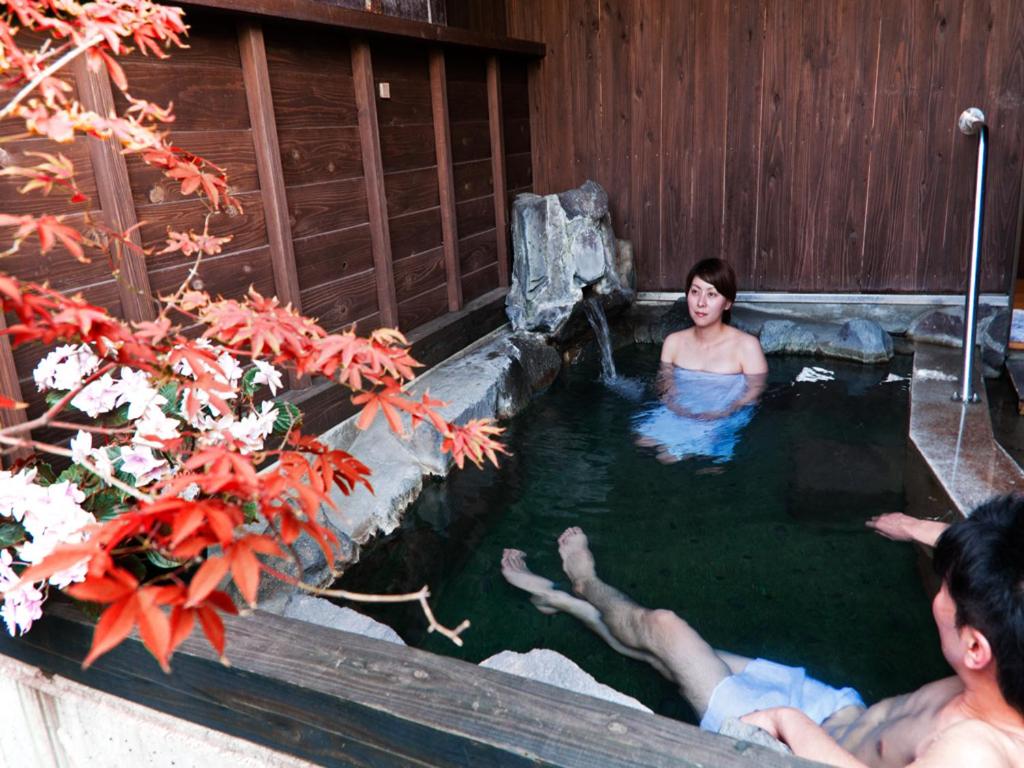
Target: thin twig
419,596
70,55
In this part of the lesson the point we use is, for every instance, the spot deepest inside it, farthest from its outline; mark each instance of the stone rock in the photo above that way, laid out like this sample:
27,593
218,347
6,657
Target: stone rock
735,728
862,340
317,610
547,666
625,266
945,327
677,318
782,336
561,243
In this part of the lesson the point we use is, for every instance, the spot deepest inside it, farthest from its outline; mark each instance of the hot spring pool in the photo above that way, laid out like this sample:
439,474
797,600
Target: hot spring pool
765,555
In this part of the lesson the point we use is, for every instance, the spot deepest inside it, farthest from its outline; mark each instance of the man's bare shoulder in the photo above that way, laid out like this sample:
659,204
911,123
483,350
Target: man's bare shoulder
973,743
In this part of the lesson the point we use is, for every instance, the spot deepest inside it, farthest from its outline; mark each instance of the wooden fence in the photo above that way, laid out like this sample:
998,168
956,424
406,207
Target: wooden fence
811,142
374,160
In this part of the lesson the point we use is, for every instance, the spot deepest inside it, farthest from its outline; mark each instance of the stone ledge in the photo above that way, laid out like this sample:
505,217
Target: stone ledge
955,441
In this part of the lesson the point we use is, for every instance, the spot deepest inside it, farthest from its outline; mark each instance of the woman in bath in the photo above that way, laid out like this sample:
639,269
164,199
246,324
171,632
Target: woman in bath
709,374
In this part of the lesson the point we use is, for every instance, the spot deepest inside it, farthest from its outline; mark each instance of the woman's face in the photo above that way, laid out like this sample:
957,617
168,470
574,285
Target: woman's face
706,303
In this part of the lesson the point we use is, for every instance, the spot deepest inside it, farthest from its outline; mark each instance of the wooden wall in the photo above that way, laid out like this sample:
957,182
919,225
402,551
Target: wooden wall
811,143
342,200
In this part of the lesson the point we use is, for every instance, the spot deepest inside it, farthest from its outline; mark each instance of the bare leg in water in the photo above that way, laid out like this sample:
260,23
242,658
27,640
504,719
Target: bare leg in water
658,637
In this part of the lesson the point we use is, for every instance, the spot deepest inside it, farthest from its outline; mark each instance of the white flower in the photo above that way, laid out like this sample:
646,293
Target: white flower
267,374
140,462
65,367
154,427
230,368
81,446
98,397
21,606
136,389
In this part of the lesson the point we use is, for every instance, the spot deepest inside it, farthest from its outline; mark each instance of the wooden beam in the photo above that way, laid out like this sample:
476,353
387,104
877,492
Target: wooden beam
268,162
498,165
268,166
445,180
373,173
321,12
11,387
115,193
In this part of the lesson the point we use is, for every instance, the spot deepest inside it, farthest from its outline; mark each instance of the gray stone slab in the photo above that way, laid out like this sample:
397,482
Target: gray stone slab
317,610
547,666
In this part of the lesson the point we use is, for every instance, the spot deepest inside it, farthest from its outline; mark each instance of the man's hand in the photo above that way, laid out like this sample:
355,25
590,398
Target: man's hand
801,734
900,527
766,720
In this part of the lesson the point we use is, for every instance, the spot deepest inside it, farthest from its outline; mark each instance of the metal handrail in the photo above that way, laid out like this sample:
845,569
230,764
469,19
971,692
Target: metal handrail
973,121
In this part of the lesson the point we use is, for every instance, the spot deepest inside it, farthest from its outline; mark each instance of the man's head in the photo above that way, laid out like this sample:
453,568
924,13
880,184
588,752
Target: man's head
981,562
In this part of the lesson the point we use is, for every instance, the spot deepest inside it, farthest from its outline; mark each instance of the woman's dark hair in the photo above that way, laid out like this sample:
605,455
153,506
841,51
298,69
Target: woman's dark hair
720,274
981,560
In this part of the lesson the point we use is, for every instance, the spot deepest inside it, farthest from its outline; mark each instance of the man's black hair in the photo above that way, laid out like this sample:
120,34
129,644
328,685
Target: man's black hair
981,560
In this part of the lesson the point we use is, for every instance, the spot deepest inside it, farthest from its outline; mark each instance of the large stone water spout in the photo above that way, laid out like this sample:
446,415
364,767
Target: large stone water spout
563,243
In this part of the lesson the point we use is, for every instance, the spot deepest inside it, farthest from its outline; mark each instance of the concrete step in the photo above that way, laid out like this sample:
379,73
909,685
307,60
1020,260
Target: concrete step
1015,367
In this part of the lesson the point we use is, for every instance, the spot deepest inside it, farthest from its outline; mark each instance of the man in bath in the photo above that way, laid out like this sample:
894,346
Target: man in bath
975,718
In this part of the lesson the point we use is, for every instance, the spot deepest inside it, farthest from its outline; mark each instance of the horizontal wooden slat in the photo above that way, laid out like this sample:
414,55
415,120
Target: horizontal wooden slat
478,251
407,147
333,255
517,135
470,140
473,179
323,13
297,50
228,275
329,153
314,100
57,202
423,308
339,303
419,273
519,170
409,105
415,232
393,63
409,191
205,98
467,101
465,66
475,215
58,266
326,206
480,282
231,150
247,230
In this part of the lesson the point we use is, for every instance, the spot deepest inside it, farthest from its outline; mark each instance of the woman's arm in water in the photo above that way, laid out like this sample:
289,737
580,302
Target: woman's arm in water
900,527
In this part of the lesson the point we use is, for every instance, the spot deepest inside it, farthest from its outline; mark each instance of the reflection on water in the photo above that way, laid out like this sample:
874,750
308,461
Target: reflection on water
767,557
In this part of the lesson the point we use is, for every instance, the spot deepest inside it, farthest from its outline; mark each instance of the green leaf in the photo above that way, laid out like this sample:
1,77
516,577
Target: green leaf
45,474
160,561
54,396
11,533
251,510
249,385
107,504
169,390
288,416
75,473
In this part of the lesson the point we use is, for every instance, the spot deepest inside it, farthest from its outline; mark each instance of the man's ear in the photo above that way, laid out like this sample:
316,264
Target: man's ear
977,650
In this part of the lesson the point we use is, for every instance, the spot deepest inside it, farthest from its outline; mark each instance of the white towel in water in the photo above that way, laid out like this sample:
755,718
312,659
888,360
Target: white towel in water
814,373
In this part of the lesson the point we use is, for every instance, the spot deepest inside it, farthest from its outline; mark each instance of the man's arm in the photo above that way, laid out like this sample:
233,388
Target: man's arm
805,737
900,527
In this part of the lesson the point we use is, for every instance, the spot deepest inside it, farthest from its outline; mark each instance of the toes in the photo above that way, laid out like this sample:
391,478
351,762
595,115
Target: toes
513,558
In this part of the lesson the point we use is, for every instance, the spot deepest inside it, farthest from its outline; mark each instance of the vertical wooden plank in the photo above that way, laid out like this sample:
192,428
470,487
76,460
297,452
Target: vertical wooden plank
615,55
498,166
115,195
645,85
683,140
373,170
745,46
445,183
10,387
268,166
268,162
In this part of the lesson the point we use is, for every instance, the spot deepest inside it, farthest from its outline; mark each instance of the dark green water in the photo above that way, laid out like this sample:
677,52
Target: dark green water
766,555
